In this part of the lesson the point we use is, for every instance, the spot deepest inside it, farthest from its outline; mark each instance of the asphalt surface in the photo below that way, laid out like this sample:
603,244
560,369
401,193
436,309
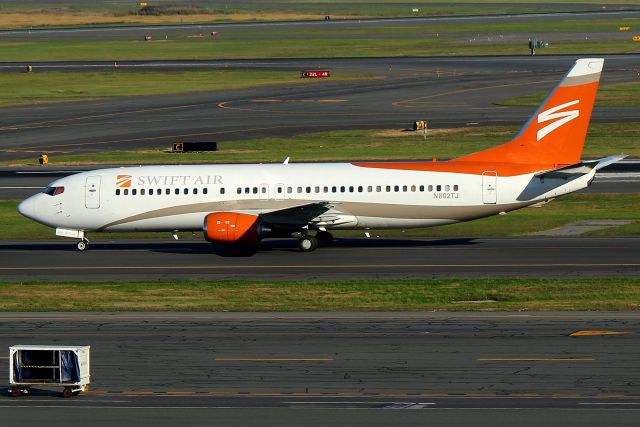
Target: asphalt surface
338,368
448,92
279,259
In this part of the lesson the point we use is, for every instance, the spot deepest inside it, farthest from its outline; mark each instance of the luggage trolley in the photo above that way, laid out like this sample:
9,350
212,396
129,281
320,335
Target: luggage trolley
66,366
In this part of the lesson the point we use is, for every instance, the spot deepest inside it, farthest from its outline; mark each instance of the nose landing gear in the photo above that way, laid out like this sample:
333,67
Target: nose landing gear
83,245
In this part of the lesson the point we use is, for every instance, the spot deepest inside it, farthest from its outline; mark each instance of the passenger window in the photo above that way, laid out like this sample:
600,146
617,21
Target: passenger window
126,191
455,187
438,187
421,188
239,190
176,191
142,191
247,190
396,188
308,190
334,189
299,189
117,192
378,188
342,189
159,192
195,191
151,191
317,189
370,189
388,188
447,188
186,191
134,192
255,190
404,188
279,190
289,190
325,189
167,191
263,190
360,189
413,188
351,189
430,188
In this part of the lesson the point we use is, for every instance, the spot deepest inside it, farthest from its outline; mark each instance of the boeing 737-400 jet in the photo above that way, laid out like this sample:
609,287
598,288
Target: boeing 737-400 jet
249,202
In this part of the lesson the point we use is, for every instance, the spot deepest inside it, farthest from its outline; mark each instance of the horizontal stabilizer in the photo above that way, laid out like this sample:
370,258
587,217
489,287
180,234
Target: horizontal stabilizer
579,169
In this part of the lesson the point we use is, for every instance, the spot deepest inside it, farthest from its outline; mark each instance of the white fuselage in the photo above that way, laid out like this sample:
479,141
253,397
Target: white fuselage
179,197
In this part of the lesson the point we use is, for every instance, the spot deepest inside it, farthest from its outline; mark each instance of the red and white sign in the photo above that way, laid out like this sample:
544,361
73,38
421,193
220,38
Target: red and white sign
316,74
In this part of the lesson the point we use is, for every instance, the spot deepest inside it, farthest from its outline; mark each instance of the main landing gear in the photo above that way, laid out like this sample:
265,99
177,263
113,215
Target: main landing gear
311,243
83,245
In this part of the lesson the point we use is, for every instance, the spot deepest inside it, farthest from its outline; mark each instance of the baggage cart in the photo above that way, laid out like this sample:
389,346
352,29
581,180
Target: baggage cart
36,365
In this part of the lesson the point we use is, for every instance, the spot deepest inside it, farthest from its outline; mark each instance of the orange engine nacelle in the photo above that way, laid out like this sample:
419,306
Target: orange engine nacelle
230,227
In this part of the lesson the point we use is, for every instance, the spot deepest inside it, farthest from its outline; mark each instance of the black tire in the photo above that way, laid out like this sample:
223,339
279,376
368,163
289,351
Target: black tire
325,239
308,244
67,392
82,245
16,392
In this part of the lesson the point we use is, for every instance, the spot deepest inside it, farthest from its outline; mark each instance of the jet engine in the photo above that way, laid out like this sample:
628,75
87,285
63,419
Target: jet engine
231,227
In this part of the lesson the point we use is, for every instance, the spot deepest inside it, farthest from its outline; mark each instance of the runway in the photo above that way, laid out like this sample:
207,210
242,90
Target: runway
315,368
279,259
448,92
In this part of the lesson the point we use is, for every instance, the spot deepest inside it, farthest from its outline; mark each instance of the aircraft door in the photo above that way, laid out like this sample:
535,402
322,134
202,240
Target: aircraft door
92,192
489,187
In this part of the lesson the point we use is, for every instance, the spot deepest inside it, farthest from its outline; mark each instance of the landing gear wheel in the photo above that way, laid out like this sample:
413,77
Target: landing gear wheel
83,245
15,392
67,392
324,238
308,243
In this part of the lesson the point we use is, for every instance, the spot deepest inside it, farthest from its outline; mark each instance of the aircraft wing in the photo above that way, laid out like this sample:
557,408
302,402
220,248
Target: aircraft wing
316,213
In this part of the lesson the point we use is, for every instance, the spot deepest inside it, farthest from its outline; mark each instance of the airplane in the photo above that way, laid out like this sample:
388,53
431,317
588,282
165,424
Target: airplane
245,203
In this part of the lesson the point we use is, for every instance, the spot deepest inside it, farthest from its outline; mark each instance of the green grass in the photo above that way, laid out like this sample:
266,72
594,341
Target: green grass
419,40
382,295
564,210
602,140
279,9
614,95
35,88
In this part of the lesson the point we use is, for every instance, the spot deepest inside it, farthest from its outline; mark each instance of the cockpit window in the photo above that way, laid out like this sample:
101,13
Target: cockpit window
53,191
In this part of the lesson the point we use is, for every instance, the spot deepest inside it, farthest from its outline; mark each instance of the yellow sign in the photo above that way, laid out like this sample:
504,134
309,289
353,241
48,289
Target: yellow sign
624,28
636,38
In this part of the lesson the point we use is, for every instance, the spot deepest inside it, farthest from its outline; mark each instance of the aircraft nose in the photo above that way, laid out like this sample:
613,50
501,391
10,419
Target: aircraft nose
27,207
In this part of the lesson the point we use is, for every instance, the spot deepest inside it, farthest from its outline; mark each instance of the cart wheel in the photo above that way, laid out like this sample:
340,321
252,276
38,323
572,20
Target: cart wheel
15,392
67,392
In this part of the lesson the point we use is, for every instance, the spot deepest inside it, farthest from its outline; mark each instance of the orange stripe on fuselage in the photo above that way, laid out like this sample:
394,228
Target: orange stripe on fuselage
470,168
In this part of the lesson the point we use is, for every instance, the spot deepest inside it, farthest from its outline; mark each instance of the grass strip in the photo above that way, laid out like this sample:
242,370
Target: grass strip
265,45
34,15
562,211
615,95
384,295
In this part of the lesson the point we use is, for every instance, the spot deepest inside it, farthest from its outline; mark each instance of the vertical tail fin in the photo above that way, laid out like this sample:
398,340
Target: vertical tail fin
555,133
